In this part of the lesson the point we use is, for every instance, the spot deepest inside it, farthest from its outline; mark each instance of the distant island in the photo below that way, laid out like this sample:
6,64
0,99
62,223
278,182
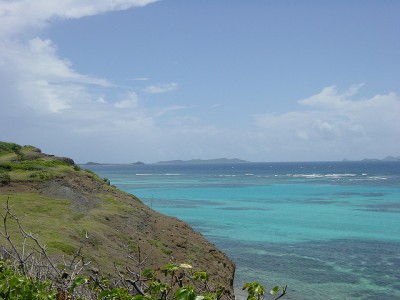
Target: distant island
387,158
91,163
222,161
203,161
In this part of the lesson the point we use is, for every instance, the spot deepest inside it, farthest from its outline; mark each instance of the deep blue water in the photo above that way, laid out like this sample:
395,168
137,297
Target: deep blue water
329,230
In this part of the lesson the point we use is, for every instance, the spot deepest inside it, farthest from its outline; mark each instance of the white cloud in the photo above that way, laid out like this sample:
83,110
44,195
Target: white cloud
131,101
338,124
161,88
40,79
21,15
168,109
329,98
302,134
35,77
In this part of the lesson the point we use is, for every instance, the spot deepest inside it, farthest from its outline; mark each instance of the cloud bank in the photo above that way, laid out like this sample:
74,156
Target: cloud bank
334,122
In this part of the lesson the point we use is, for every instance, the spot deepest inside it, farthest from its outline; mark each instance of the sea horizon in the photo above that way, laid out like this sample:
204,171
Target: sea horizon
388,158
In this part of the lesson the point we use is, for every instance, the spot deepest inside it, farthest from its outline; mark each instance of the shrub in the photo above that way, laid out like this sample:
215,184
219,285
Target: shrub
15,285
4,178
5,167
9,147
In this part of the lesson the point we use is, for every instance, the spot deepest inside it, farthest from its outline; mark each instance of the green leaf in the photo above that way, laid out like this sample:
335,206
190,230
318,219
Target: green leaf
185,293
254,289
77,282
140,297
275,290
157,287
245,286
148,273
170,269
103,294
200,276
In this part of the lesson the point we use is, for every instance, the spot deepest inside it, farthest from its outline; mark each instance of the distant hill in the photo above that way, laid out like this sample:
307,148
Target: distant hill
91,163
203,161
391,158
387,158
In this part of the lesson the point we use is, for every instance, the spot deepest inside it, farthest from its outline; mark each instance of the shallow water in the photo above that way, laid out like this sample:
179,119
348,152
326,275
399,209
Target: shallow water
328,230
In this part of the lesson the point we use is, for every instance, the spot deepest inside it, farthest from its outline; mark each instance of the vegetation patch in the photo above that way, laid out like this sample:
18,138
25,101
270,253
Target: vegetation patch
4,178
9,148
29,163
64,247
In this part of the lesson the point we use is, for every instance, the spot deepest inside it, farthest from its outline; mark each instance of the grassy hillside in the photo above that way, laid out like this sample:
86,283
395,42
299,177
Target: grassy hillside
70,209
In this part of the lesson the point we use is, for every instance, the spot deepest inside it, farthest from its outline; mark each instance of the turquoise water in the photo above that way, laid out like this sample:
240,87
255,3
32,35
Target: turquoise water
328,230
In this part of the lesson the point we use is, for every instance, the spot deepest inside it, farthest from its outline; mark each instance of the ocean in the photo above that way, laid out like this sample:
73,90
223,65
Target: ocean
329,230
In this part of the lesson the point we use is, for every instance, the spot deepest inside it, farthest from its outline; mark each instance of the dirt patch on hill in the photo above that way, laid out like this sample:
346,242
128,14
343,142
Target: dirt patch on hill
65,188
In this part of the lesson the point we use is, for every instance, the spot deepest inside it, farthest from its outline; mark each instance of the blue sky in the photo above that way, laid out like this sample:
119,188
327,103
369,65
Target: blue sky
127,80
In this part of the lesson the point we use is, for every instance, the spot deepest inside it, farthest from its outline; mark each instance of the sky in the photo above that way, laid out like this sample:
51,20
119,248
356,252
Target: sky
120,81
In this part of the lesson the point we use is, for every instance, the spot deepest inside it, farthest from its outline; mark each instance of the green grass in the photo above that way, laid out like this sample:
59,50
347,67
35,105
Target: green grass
29,152
104,231
29,163
37,164
32,209
9,148
158,244
6,157
22,163
64,247
64,230
39,170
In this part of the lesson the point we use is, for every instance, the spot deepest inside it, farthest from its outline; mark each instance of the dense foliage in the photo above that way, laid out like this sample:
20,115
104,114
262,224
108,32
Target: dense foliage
16,160
14,284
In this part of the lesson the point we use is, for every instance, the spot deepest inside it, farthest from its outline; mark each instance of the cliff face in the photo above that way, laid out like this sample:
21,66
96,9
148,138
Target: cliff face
69,208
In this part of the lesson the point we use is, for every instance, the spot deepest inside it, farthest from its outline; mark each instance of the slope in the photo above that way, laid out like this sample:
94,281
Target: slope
70,209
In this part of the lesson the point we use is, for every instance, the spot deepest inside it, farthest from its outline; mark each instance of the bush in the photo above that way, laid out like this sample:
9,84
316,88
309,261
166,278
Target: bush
5,167
9,147
4,178
43,175
15,285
